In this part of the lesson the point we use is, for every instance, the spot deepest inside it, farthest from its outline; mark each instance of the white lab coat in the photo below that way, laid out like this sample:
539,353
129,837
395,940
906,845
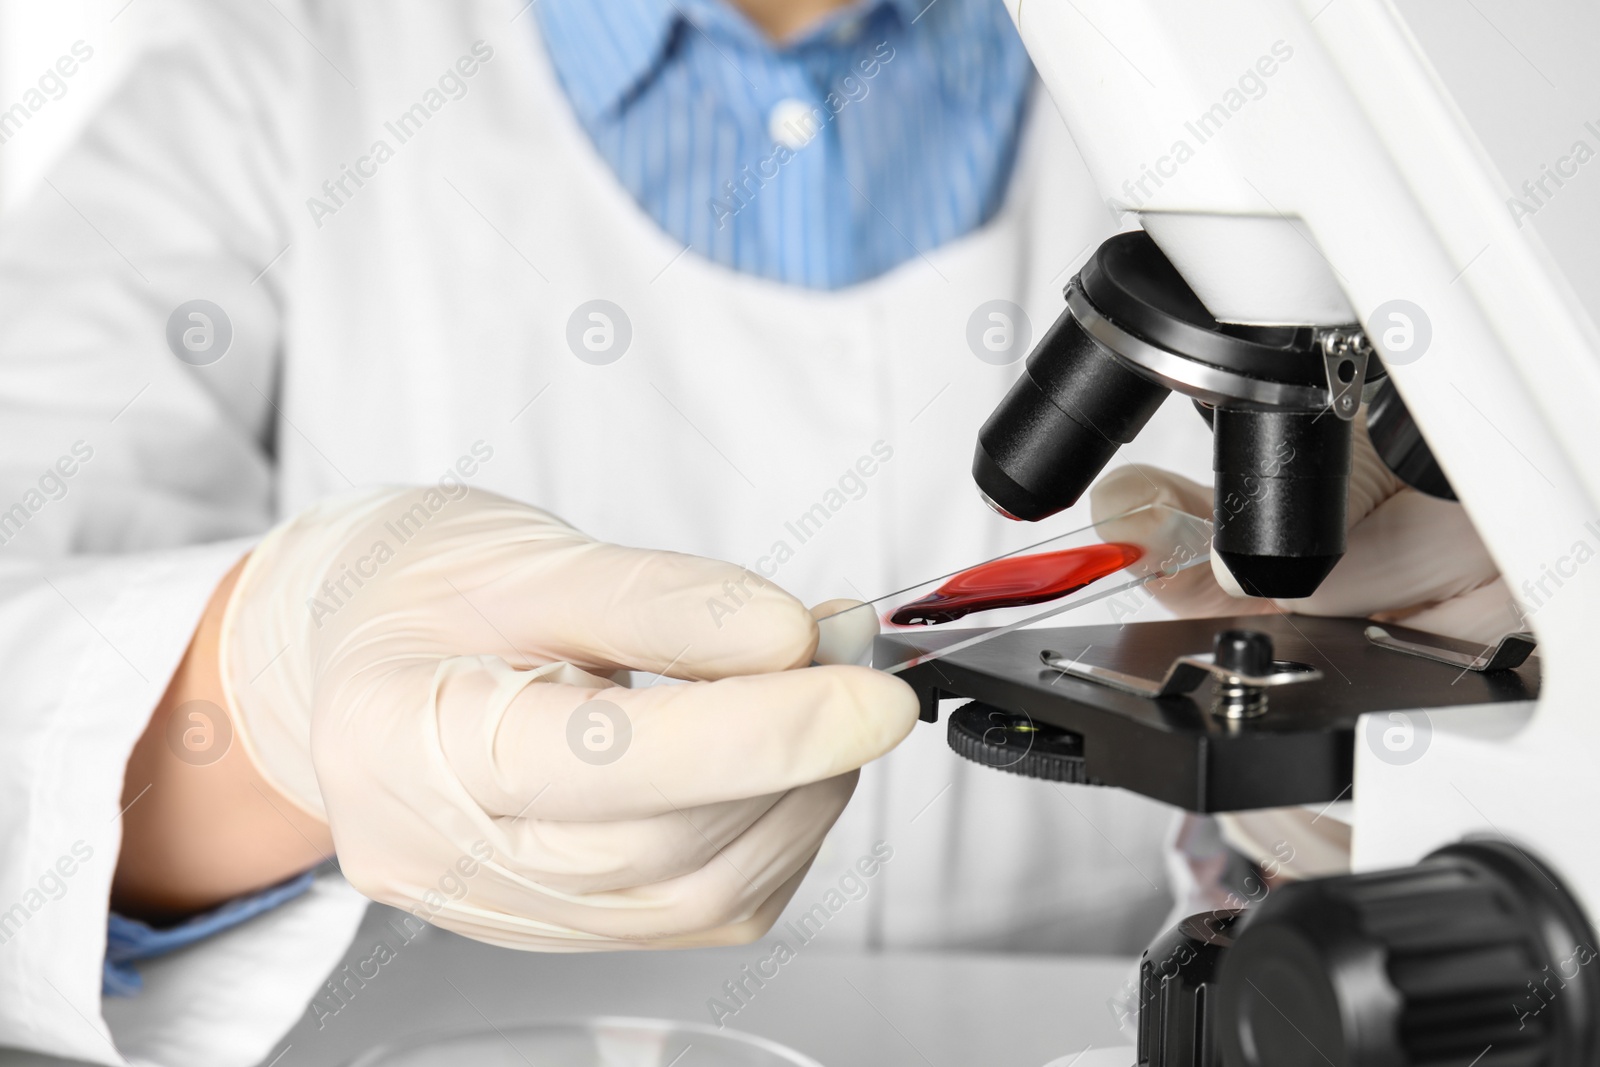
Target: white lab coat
379,342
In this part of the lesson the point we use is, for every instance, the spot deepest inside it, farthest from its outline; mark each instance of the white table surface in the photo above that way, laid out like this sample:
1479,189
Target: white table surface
844,1009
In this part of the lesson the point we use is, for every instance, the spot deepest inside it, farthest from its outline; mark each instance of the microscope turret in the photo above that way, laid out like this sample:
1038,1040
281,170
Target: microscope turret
1280,399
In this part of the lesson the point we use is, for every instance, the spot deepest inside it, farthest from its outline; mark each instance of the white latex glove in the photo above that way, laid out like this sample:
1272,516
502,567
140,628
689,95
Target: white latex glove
418,667
1410,558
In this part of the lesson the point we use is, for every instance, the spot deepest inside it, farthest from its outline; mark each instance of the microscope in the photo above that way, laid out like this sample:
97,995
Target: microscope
1318,247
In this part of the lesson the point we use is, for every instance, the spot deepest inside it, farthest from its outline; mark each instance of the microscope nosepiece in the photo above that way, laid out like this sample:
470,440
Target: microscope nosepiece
1281,399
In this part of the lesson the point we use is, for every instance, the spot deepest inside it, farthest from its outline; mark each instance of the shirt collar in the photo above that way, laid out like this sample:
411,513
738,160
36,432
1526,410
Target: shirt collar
605,49
910,10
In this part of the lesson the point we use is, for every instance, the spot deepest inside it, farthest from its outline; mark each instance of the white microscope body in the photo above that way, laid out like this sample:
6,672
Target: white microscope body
1300,161
1347,181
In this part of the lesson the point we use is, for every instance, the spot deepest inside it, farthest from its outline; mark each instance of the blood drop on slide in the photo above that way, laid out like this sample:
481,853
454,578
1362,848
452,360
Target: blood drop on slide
1017,580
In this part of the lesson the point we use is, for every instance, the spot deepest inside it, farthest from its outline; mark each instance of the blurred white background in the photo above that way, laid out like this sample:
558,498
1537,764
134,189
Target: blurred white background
34,35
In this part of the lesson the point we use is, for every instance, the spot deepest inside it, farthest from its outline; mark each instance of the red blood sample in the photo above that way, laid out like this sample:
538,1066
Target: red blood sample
1017,580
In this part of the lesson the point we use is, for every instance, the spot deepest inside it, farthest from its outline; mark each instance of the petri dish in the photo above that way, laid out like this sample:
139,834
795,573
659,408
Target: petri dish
597,1042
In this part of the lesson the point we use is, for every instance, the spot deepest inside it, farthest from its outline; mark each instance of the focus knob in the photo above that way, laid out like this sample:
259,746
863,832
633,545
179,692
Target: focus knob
1476,955
1016,743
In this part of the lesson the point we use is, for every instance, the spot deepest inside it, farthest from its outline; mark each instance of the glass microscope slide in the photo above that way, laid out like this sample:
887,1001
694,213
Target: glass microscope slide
976,603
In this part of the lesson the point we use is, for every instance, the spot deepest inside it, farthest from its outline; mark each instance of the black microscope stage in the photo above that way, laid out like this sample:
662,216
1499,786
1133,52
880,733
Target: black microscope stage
1300,750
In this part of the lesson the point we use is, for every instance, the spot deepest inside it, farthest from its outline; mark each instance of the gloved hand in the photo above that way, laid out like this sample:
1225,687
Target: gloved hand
428,672
1411,558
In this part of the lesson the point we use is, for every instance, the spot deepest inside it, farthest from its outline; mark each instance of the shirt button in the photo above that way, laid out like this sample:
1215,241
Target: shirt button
847,31
793,123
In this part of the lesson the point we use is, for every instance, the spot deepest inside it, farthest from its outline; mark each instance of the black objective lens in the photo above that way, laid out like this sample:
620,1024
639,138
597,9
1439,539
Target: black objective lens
1282,492
1060,424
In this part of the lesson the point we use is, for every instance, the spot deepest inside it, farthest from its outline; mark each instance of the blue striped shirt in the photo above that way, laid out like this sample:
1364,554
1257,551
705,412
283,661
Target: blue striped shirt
885,131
